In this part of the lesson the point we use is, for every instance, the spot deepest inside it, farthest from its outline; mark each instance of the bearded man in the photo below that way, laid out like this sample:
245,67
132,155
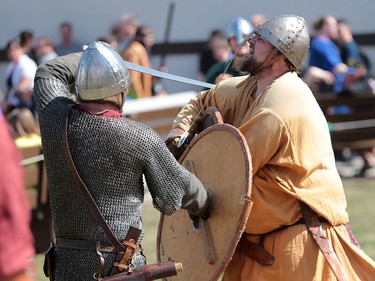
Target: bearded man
296,188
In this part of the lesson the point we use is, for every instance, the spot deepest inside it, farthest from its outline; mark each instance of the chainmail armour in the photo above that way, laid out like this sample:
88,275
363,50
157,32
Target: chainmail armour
111,156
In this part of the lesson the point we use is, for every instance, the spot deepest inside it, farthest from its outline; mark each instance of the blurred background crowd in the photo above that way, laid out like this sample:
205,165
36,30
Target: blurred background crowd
336,63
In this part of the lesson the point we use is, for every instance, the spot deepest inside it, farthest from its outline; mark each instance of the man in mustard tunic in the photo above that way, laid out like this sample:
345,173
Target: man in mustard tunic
292,161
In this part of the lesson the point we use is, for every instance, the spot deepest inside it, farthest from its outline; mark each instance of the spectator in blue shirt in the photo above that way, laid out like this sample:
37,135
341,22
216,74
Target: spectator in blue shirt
325,54
353,56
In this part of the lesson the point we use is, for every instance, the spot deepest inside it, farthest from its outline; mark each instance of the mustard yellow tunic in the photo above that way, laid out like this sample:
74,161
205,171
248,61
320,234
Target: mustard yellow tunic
292,160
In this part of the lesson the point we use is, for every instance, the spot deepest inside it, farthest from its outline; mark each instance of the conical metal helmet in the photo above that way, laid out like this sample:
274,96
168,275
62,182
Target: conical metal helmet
102,73
289,34
240,28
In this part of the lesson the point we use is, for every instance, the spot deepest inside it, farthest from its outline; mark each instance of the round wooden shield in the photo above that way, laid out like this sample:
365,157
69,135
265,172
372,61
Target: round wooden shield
220,158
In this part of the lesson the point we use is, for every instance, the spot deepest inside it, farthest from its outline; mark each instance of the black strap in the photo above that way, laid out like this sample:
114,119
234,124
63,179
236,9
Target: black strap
86,193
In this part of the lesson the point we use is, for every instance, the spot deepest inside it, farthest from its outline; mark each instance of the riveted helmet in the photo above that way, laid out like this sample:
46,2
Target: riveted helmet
290,35
240,28
102,73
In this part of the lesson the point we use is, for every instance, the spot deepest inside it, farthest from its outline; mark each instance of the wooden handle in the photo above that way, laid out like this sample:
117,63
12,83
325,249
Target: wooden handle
203,225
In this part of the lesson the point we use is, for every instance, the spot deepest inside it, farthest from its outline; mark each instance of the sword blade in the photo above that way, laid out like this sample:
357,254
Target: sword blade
168,76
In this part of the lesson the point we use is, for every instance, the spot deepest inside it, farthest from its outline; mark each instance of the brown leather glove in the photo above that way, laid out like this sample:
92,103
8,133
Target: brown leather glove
172,141
172,146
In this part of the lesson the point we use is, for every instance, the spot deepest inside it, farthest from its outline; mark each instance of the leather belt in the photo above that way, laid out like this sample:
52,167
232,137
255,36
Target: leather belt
87,245
83,245
256,251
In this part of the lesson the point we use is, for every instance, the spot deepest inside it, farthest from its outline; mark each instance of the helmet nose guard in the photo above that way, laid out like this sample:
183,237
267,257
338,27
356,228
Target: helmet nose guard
290,35
102,73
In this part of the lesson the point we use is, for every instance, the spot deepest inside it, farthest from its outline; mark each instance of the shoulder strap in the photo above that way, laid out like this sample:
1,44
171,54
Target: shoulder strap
324,244
85,192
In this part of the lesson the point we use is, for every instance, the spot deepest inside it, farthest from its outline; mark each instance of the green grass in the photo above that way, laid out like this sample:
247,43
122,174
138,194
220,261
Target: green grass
360,195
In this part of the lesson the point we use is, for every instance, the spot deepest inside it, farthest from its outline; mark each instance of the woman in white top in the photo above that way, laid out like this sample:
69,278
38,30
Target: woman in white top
19,78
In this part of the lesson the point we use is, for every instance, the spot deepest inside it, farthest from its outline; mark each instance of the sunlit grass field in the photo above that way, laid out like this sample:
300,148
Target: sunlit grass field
360,193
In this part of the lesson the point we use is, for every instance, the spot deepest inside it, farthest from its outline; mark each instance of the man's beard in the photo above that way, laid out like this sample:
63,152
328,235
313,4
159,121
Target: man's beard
247,64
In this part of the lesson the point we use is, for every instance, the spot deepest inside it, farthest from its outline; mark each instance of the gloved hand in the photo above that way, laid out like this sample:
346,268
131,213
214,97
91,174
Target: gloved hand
173,139
203,213
172,146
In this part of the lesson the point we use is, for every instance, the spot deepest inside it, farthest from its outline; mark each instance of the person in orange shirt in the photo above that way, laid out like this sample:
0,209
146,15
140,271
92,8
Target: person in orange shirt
138,53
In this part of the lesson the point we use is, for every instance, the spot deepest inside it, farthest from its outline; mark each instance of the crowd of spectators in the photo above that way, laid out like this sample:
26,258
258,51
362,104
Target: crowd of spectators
338,65
347,66
336,62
